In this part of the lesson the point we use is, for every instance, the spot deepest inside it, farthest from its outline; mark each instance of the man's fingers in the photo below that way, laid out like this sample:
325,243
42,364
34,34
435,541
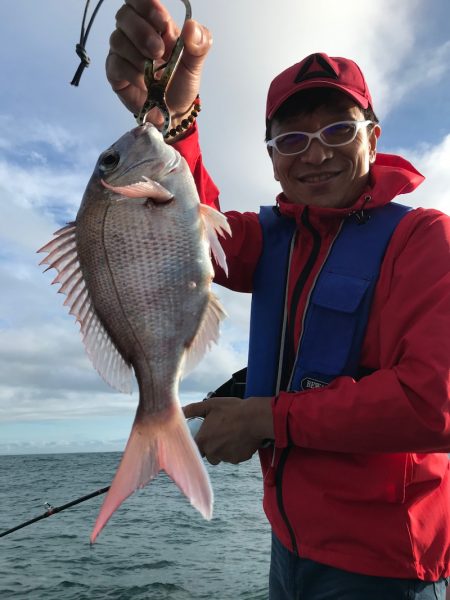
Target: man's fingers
126,81
140,32
157,16
197,42
210,456
152,11
196,409
121,46
185,84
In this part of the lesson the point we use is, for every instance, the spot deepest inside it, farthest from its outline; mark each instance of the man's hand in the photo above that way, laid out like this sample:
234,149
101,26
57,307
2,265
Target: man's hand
233,428
146,30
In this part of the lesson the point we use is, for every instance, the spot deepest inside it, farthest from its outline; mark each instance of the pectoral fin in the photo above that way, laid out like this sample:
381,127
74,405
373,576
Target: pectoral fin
215,224
142,189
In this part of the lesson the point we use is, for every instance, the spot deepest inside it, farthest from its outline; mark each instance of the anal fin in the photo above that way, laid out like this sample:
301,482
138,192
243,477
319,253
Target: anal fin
207,334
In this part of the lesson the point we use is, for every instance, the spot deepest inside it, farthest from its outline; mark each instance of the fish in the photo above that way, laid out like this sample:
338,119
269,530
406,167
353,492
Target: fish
136,268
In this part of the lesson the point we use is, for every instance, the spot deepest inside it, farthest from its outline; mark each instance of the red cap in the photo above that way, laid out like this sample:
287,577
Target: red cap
319,70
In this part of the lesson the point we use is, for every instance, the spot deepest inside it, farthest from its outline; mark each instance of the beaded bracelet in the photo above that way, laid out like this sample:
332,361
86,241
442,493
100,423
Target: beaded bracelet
187,121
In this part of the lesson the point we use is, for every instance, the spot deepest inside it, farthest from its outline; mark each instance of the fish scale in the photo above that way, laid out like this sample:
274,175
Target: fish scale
162,284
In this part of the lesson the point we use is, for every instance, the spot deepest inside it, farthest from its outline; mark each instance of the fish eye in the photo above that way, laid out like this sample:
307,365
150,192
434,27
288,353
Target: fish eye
109,160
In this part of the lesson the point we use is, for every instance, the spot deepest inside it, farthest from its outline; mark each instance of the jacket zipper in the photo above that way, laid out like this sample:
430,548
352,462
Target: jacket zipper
308,302
282,344
288,349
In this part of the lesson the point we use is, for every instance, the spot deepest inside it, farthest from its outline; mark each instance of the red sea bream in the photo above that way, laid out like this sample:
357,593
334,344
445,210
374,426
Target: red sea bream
136,268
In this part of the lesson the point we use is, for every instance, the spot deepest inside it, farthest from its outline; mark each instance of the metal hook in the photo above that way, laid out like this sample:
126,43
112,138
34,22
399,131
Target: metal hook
156,88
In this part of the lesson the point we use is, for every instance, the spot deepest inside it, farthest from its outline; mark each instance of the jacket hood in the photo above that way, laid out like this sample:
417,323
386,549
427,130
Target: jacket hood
390,176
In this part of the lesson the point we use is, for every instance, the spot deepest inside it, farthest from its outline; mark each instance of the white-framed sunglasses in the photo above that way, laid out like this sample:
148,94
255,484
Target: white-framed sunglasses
335,134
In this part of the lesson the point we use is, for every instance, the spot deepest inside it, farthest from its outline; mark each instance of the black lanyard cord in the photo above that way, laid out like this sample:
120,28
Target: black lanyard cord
80,48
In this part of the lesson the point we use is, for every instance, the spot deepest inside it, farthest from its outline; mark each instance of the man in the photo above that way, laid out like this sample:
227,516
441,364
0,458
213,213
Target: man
356,483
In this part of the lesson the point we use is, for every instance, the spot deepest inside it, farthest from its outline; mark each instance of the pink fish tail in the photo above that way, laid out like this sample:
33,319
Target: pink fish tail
155,444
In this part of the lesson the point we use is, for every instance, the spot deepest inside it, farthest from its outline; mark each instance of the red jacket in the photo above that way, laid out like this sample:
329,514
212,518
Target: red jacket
366,485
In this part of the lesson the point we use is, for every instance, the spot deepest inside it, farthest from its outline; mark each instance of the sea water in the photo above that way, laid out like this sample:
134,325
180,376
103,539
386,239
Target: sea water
155,546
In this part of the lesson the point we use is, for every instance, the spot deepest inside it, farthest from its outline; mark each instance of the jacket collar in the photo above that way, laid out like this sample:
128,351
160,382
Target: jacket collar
390,176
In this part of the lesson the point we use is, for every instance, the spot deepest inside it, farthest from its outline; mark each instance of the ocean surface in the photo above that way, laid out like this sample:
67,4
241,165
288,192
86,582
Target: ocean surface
156,545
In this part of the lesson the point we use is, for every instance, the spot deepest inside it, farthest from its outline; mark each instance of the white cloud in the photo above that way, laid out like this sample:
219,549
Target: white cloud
428,68
21,139
433,162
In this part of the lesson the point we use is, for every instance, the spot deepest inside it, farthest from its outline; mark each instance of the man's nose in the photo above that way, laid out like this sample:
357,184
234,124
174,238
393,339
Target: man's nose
316,153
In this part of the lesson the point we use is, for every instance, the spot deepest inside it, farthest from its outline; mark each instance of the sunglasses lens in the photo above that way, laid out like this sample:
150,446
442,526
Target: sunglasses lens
291,143
339,133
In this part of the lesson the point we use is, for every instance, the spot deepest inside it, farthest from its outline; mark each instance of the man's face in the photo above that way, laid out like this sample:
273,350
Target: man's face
322,175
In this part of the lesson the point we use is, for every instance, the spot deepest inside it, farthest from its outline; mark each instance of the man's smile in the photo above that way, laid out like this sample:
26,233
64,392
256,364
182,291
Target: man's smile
311,178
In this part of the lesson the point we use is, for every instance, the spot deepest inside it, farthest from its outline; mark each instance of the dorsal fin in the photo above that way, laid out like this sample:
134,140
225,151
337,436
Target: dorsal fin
102,351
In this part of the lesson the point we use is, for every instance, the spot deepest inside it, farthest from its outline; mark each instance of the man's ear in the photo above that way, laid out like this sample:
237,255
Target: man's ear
373,139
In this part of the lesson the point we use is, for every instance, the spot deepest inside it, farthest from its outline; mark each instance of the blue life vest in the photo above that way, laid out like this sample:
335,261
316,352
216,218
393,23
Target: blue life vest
339,304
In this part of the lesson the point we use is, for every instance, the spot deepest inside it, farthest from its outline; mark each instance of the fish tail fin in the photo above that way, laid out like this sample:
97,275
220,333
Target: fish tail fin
159,442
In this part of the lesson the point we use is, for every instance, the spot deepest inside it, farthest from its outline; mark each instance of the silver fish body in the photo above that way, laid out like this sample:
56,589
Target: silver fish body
137,271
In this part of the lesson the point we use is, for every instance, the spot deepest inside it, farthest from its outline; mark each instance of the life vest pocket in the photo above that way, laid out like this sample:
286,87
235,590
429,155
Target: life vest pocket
335,310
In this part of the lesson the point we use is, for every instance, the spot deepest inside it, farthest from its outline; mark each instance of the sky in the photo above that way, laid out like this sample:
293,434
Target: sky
51,133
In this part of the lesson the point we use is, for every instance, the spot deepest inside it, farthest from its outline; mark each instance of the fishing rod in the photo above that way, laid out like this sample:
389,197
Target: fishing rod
52,510
194,424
